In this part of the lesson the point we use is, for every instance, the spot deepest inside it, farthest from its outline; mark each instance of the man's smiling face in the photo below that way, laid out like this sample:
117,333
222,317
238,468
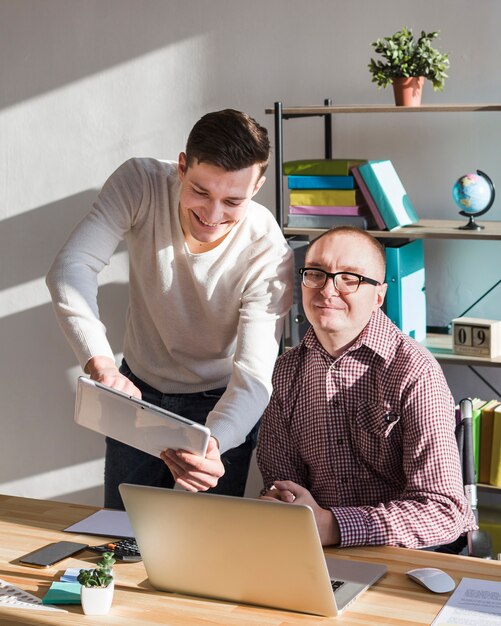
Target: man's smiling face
213,200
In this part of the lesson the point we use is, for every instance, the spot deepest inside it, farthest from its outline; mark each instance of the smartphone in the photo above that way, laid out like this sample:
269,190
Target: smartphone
52,553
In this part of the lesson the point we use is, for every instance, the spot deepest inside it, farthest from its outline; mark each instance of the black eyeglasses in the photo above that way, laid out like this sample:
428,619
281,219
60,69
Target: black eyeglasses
344,282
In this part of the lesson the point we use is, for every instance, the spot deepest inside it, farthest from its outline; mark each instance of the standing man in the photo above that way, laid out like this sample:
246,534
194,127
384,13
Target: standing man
209,286
361,422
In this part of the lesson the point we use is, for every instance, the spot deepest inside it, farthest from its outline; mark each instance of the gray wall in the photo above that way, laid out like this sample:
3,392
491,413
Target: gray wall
88,83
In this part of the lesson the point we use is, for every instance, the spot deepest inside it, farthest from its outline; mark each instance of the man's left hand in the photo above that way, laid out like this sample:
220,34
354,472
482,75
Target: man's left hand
193,472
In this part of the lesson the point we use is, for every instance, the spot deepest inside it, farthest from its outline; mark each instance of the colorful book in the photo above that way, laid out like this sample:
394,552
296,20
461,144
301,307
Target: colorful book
325,197
320,167
368,198
359,209
321,182
495,474
388,193
326,221
485,447
477,405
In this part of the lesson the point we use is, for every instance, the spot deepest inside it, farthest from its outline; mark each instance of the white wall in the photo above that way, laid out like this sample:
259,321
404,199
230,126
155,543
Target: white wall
89,83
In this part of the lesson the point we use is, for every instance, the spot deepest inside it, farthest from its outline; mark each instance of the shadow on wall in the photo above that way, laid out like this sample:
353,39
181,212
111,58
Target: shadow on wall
52,224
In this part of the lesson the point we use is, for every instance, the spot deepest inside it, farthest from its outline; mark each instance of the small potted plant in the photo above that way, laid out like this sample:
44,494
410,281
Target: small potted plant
97,589
407,63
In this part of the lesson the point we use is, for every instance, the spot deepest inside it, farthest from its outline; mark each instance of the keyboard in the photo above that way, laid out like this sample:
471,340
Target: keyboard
124,549
336,584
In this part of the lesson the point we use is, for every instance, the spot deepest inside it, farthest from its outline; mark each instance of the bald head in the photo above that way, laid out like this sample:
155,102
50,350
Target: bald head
367,248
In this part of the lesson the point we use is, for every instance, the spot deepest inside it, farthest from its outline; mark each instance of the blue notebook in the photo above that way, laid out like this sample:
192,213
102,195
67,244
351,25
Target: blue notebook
405,302
321,182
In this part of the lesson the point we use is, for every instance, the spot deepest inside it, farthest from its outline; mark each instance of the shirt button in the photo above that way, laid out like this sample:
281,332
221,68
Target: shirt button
339,442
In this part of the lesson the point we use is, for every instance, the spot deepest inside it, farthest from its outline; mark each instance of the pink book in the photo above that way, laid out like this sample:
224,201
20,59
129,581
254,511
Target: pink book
360,209
368,198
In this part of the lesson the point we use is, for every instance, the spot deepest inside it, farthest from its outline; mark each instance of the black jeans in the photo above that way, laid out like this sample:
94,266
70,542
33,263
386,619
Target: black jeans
124,464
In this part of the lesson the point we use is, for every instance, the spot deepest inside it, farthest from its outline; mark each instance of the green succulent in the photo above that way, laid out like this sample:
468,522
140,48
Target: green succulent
405,57
101,575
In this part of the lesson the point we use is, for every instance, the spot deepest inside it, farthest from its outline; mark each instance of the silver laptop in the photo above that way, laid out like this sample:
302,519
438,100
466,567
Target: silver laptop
135,422
241,550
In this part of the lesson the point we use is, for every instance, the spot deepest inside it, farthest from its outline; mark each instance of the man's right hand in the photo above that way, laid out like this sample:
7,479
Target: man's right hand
104,370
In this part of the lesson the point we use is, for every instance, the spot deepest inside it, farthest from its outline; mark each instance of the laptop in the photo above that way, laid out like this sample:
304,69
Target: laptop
136,422
241,550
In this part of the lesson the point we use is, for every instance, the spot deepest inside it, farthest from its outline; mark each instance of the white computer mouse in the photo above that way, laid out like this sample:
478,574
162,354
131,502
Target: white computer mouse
432,579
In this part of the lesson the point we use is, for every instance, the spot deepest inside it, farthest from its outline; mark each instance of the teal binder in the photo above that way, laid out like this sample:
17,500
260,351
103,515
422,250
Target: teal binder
405,302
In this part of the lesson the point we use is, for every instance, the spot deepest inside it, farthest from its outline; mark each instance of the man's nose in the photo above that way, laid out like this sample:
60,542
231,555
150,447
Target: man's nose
330,289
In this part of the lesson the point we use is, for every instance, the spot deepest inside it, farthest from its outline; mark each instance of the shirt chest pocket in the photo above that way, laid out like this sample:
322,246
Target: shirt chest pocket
376,436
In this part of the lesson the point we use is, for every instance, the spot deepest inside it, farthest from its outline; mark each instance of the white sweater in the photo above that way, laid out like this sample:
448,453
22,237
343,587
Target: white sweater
195,321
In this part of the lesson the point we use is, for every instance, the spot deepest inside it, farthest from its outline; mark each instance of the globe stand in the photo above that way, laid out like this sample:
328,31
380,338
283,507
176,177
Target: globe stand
471,224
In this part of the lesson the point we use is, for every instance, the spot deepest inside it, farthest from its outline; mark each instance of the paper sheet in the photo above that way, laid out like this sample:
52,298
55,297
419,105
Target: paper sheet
106,522
475,602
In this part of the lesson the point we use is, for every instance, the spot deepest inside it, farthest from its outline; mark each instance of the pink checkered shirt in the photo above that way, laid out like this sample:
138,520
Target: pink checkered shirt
371,435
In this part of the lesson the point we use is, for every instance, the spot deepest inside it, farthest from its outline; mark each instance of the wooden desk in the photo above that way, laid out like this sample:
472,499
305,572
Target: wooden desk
27,524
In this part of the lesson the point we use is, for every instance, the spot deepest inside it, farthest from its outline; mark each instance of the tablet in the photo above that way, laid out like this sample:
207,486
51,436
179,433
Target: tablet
135,422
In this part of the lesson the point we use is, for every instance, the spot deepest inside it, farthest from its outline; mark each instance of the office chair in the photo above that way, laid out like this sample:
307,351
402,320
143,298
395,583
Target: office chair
476,543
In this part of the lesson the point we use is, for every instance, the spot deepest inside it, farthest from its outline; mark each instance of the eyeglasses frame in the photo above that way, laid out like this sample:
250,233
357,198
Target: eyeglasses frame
361,278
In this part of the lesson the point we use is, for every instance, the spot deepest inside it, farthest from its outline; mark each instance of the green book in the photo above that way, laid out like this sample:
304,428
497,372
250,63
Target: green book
320,167
325,197
476,414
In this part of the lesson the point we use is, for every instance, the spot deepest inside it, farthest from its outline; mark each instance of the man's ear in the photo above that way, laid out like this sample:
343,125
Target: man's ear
381,293
181,165
258,185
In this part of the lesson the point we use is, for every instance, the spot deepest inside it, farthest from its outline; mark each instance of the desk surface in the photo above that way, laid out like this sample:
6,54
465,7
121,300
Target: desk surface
26,524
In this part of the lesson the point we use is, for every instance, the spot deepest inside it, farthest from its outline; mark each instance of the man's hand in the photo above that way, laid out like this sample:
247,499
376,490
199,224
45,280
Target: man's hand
104,370
291,492
193,472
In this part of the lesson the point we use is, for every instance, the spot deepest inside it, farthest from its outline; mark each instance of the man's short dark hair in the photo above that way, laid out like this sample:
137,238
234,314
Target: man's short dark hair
229,139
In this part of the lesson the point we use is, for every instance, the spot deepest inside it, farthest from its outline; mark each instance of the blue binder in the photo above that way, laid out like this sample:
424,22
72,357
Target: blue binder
405,298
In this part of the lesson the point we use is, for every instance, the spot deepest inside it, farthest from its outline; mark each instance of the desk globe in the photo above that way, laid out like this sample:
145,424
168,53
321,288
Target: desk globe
474,195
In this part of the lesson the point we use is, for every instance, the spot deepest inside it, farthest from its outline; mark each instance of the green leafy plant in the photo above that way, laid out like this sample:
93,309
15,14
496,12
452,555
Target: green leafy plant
101,575
405,57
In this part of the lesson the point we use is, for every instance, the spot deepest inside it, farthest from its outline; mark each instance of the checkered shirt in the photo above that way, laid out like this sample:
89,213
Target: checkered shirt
371,436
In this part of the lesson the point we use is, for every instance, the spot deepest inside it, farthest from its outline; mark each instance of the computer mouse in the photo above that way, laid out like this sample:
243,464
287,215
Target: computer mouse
432,579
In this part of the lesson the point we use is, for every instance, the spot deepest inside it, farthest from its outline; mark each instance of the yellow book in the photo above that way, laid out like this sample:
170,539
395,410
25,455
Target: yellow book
485,448
495,474
325,197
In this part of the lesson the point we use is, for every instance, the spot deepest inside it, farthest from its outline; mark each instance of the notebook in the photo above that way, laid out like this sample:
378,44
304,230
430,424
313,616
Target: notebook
135,422
241,550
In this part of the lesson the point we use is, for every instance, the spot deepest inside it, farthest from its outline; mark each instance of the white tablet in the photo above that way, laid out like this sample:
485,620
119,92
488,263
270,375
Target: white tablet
136,422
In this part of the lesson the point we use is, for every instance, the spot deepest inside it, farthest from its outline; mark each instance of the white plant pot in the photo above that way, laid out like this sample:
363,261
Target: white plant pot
97,600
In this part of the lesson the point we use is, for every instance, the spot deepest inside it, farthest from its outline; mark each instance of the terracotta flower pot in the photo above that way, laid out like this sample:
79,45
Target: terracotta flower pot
408,91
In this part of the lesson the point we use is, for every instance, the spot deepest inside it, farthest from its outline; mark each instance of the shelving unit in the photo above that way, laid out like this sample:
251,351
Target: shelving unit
439,345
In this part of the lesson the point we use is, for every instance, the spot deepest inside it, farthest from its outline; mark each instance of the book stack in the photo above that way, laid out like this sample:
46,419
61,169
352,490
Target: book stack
384,194
486,429
323,194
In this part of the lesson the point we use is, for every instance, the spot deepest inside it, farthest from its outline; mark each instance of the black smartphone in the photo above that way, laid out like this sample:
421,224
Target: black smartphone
52,553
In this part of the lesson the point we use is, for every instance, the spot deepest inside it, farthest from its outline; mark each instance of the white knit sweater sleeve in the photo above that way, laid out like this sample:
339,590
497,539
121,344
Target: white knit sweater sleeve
73,277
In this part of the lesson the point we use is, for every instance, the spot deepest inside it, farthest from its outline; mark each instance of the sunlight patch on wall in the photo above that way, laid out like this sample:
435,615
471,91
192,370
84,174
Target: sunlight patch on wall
14,299
72,138
57,482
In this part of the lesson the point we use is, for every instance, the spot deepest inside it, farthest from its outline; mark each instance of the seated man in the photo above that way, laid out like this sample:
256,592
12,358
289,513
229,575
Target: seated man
361,421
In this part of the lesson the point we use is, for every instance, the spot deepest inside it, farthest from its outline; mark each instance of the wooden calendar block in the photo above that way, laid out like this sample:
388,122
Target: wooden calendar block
476,337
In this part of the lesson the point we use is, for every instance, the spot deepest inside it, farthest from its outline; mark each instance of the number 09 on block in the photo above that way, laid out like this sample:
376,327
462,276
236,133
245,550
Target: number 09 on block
476,337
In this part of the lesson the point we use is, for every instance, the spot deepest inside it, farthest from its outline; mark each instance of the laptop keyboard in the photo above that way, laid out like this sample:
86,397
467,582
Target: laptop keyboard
336,584
124,549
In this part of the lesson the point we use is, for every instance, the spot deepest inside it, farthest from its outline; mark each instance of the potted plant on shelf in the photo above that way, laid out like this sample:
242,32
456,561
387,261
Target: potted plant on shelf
407,63
97,589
